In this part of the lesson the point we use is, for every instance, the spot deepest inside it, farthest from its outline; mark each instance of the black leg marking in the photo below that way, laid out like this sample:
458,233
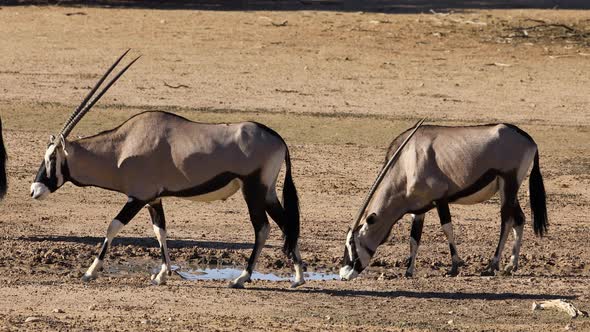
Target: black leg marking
444,214
156,211
254,194
508,212
103,250
417,227
131,208
415,237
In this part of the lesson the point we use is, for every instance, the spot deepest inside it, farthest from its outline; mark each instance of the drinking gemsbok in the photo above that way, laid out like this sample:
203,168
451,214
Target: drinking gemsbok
441,166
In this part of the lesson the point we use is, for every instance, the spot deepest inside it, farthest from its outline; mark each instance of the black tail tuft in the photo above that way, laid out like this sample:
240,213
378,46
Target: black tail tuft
538,199
291,204
3,180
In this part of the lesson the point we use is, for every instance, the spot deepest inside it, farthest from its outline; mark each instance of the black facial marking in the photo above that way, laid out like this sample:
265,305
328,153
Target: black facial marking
51,181
371,219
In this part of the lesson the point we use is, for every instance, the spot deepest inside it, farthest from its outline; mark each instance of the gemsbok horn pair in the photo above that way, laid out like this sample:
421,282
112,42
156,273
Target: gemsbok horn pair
155,154
441,166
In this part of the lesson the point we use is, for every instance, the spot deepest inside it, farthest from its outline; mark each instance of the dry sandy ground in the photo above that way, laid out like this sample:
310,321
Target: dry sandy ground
338,87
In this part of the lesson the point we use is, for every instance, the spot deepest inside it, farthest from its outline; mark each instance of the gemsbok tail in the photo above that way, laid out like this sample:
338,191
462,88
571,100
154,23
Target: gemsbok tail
3,181
538,199
291,205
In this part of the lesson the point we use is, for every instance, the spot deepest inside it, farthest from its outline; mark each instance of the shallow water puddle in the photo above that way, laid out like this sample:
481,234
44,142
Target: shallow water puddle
205,272
232,273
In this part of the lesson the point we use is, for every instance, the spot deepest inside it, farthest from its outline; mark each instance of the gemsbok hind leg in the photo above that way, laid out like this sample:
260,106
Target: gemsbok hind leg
277,213
254,194
445,220
159,222
131,208
508,211
415,236
517,229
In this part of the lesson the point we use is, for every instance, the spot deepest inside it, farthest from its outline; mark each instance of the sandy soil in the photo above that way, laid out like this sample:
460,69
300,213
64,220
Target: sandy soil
338,87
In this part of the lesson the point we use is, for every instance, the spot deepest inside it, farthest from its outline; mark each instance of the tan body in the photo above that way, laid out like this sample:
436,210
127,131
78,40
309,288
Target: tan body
156,153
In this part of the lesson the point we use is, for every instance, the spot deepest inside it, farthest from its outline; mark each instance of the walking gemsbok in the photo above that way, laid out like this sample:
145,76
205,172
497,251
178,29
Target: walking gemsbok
157,154
445,165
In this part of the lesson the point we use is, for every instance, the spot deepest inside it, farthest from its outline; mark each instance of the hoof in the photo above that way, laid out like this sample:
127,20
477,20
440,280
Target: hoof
452,272
509,270
488,273
409,274
235,285
407,261
296,284
87,278
157,281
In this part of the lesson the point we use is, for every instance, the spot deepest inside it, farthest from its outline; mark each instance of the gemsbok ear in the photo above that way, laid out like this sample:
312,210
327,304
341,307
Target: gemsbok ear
371,219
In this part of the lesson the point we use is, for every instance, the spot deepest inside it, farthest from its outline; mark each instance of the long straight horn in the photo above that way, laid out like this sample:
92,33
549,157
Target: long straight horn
83,112
381,175
91,93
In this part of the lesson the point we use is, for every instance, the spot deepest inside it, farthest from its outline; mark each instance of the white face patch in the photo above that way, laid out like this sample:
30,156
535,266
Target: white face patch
52,149
348,243
39,190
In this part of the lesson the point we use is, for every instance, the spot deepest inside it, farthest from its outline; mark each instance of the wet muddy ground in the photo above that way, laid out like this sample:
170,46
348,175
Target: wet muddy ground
338,87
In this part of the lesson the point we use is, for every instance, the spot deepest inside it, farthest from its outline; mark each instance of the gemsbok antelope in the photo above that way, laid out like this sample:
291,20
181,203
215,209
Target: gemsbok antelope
3,179
446,165
156,154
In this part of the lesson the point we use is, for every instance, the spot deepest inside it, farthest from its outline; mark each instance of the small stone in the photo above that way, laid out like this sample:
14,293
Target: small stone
569,327
451,312
58,311
32,319
144,321
92,307
451,322
328,318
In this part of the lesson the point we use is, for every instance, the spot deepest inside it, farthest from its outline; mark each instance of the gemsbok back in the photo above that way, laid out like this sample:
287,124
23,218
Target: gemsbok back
448,165
156,154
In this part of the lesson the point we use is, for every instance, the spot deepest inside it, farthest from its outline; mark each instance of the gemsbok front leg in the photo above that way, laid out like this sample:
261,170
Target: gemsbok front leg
159,222
445,220
131,208
254,193
415,236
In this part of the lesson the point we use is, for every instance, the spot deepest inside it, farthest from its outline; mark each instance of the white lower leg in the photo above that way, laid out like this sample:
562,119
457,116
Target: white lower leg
245,276
92,271
299,280
413,252
513,266
114,227
160,278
